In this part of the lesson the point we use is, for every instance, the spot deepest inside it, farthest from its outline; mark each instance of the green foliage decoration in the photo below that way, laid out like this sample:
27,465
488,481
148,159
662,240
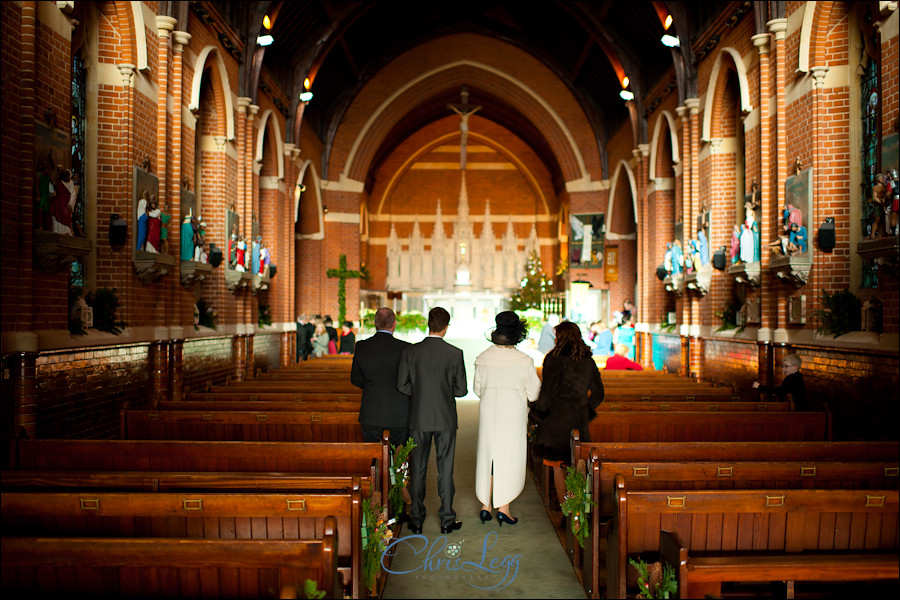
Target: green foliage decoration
399,474
840,313
206,315
411,321
376,534
661,583
577,504
311,590
727,315
264,315
342,273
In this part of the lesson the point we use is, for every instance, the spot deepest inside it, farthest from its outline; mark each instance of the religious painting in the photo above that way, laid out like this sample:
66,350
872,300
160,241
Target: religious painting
146,213
794,227
586,240
52,155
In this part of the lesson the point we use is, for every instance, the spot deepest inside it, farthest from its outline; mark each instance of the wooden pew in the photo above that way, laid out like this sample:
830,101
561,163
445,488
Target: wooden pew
672,466
679,405
703,576
755,426
771,522
191,516
261,405
249,426
361,459
254,395
169,568
168,481
287,386
668,395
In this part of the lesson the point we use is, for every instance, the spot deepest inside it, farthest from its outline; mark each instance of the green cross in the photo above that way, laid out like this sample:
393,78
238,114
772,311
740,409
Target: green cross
343,274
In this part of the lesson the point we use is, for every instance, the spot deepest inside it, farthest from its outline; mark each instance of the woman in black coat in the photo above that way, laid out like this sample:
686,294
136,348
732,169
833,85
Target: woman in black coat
569,374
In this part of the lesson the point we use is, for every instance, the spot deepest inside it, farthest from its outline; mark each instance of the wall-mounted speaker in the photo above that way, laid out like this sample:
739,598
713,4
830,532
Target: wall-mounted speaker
215,255
720,259
661,272
826,235
118,230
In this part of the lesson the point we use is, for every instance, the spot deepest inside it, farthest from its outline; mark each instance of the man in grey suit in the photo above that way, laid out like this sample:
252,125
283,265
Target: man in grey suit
374,369
432,372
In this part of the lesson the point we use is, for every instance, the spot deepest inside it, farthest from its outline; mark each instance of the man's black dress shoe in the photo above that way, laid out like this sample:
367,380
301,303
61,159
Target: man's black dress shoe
452,527
404,517
416,529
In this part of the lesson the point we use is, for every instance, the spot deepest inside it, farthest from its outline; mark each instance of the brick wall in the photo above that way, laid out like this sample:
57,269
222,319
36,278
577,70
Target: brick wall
207,361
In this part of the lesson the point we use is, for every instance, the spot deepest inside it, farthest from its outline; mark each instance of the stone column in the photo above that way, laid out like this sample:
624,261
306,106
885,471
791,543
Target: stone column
26,393
176,369
767,209
779,28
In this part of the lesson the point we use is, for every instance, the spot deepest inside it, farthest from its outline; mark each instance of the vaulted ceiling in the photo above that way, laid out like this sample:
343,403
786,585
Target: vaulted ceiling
590,46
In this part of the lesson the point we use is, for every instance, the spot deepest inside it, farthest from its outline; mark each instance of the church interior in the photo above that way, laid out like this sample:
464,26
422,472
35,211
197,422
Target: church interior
183,180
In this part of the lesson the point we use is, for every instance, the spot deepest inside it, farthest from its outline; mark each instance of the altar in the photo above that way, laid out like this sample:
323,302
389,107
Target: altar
469,310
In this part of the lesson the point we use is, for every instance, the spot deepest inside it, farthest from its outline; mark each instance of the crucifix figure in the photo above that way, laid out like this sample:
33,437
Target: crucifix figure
343,274
464,110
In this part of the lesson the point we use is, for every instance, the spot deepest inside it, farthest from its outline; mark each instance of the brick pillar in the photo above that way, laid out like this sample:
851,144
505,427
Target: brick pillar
692,207
646,358
26,221
164,25
285,358
764,362
240,357
26,393
179,40
768,205
696,351
685,369
176,369
818,212
159,363
240,130
250,359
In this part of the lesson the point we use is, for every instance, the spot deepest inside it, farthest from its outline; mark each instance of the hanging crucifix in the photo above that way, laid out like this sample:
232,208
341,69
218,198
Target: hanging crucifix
343,274
464,110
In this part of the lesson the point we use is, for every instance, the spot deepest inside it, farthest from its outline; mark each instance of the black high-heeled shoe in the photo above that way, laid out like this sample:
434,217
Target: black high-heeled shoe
504,518
485,516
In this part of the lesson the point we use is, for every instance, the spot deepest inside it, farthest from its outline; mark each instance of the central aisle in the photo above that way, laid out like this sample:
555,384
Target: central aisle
521,561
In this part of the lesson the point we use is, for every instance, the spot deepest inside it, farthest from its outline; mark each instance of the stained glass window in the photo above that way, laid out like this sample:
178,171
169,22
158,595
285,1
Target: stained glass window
79,120
870,102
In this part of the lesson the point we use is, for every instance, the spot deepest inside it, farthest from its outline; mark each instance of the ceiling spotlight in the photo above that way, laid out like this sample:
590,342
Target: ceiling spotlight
671,41
625,81
267,22
668,22
626,95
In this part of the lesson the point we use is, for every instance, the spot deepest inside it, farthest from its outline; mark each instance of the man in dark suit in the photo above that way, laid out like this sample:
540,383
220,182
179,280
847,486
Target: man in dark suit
305,330
374,369
432,372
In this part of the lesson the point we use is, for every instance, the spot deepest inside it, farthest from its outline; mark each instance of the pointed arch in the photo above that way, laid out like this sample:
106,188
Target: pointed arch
269,120
140,35
666,118
818,19
712,91
317,189
809,12
620,168
221,84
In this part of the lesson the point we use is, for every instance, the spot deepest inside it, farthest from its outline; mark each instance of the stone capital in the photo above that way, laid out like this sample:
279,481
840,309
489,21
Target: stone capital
819,74
220,142
180,40
644,149
288,148
164,25
127,70
682,111
761,41
714,144
778,27
693,105
242,103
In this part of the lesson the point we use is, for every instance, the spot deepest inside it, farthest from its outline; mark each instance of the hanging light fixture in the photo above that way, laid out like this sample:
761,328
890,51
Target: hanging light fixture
266,38
306,95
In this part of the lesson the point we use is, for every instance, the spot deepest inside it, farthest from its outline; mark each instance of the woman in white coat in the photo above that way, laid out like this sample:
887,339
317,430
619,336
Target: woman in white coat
505,381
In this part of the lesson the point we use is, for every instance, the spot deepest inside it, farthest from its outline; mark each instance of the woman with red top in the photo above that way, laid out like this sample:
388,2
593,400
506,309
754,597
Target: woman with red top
620,361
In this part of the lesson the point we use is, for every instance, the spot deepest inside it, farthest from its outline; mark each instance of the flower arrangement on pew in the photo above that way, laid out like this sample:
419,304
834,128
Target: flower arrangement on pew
577,503
399,493
376,535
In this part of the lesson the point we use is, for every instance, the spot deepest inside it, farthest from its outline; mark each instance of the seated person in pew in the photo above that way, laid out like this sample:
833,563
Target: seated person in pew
620,361
792,384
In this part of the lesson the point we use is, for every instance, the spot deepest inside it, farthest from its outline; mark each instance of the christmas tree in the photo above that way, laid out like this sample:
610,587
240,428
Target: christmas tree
533,285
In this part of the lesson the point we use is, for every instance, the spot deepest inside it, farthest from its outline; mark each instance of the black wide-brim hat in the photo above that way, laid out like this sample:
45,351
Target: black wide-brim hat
510,326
